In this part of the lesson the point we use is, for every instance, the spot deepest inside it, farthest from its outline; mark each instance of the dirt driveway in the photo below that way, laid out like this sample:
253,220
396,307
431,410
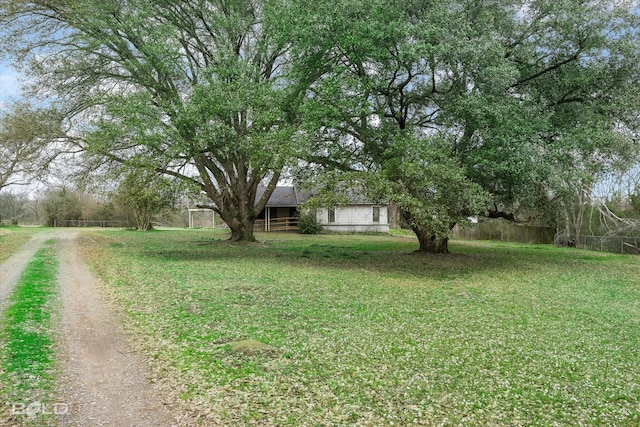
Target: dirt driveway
103,382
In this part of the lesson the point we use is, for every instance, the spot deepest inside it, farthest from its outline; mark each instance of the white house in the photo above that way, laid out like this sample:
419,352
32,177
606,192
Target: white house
358,215
355,217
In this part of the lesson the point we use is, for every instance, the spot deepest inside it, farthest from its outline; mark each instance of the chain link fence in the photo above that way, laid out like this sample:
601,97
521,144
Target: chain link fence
91,223
505,231
614,244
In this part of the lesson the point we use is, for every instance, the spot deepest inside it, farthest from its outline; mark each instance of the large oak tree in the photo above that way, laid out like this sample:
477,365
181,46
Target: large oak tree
198,90
448,108
462,107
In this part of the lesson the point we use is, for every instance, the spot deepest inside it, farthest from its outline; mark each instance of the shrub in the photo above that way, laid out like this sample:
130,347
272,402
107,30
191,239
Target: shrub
308,224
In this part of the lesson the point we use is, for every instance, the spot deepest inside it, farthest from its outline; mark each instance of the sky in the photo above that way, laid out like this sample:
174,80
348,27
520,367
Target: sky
8,83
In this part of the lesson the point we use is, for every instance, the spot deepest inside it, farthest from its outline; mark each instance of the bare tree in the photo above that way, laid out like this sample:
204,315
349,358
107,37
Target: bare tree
13,206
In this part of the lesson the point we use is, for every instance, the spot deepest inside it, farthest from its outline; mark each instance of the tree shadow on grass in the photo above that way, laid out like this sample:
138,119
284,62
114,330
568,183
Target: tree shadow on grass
385,255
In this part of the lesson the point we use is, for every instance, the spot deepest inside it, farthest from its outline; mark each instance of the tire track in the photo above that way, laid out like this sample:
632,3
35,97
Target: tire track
104,382
12,268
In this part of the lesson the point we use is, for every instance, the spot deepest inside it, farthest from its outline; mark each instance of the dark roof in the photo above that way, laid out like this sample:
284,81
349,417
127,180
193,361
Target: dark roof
289,196
281,196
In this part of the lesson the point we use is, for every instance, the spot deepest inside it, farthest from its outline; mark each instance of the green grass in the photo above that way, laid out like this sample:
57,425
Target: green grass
27,352
370,334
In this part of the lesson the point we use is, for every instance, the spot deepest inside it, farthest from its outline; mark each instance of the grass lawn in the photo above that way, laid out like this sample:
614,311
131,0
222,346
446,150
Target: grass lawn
12,238
367,333
27,348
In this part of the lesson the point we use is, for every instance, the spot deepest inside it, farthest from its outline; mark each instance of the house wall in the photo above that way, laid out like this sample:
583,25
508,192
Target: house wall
354,218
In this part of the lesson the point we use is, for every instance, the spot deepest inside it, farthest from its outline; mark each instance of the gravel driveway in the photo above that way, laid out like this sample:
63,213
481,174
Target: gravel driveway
102,382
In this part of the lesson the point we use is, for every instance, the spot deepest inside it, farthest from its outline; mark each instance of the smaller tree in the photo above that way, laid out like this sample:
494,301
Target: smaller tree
61,206
634,202
13,207
108,213
145,193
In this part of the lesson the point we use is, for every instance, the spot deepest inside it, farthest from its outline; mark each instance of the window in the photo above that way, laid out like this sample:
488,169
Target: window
376,214
332,215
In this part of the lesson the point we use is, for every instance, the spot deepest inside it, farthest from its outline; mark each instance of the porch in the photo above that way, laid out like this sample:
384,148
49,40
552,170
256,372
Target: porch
289,223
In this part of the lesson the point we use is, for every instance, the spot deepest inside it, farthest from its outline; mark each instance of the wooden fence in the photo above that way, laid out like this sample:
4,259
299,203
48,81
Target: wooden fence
277,224
505,231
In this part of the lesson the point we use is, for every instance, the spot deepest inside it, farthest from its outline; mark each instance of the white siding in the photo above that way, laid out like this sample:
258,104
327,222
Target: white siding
355,218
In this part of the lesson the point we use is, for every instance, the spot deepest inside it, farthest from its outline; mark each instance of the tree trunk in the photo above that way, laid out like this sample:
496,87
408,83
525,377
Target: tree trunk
431,244
394,216
578,214
145,226
239,205
143,221
242,231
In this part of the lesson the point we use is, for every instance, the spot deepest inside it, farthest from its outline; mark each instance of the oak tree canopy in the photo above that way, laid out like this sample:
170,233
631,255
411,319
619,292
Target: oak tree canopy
450,108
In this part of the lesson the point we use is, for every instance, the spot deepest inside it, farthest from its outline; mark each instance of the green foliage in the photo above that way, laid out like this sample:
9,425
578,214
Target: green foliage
27,138
429,186
145,193
634,200
514,101
503,99
308,223
108,211
61,206
200,91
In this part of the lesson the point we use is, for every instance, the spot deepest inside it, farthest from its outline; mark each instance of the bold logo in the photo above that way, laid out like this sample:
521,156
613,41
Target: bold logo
38,408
